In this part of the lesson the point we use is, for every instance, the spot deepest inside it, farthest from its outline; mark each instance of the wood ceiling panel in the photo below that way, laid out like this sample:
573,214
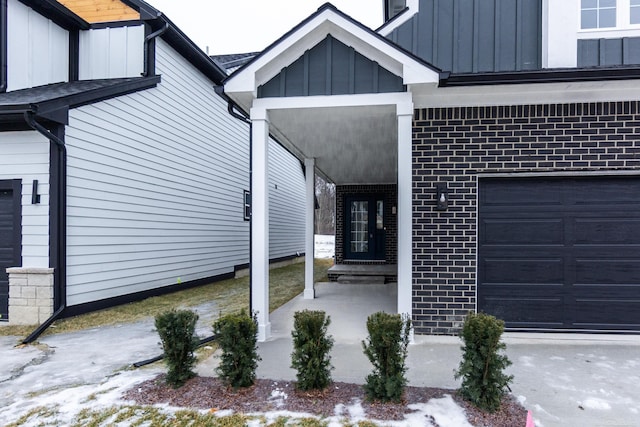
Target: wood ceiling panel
94,11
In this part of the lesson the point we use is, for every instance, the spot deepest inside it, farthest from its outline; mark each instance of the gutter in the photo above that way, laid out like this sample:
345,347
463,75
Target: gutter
149,51
60,295
3,46
231,107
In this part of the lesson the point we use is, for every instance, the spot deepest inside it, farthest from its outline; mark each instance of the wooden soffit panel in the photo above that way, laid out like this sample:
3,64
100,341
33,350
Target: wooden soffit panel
96,11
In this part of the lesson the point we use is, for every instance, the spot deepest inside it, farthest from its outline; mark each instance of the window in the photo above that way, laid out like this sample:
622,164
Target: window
598,13
634,12
247,205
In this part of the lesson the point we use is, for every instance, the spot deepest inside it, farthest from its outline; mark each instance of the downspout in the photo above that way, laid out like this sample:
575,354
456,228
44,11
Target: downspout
4,40
61,244
149,52
231,106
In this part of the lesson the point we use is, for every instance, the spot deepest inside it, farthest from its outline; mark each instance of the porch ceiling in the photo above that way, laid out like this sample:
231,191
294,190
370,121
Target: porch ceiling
351,145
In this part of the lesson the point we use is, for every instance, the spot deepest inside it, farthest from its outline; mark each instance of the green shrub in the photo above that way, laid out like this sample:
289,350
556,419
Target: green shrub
176,329
311,347
387,351
237,337
481,369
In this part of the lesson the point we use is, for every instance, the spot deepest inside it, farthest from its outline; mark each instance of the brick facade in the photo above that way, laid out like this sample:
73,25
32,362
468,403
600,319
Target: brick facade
456,145
390,219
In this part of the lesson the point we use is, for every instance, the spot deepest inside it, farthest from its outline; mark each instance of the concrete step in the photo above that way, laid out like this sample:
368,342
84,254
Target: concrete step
374,280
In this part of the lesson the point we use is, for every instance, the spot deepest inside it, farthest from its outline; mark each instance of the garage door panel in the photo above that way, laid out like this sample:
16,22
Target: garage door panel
603,230
607,271
523,270
526,312
606,313
602,193
581,272
517,195
528,231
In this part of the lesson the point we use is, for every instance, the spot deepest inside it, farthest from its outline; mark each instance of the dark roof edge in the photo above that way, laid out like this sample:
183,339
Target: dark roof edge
179,41
395,18
540,76
57,13
56,109
348,18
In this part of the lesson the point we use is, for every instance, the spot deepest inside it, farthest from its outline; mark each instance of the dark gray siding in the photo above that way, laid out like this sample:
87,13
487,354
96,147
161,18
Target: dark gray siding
331,68
609,52
465,36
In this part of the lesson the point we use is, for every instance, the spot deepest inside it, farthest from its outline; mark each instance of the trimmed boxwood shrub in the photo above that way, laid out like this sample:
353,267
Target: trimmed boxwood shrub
237,337
386,348
311,347
176,330
482,367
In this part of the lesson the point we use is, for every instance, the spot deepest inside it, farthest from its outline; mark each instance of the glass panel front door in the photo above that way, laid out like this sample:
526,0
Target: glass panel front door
359,239
364,228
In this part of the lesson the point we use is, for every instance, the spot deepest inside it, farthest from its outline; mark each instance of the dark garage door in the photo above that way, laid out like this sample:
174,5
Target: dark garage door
9,238
560,253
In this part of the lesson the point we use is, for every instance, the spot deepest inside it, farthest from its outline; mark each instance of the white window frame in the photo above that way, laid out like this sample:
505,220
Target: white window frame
599,8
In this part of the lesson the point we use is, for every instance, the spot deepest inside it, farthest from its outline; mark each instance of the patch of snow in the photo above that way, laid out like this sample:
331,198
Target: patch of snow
526,361
521,400
604,365
595,403
557,358
278,397
445,411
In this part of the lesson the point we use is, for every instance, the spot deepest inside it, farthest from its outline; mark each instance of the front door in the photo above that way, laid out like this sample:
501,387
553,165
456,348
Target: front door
365,228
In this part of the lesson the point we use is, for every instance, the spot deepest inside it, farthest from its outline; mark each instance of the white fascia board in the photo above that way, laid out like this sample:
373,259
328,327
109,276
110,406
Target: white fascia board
387,28
400,99
313,32
428,96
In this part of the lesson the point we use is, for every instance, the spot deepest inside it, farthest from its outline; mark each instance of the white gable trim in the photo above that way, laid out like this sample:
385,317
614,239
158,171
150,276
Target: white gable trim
292,47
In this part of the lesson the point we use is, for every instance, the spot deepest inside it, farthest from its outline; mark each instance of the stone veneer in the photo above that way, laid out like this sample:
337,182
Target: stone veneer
457,145
30,295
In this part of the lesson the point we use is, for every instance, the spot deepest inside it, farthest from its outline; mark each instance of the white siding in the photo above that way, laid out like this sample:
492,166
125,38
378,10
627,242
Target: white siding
111,53
155,187
37,49
561,24
25,156
286,203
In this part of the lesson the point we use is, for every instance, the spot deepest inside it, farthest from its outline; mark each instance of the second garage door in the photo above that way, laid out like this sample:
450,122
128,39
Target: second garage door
560,253
9,238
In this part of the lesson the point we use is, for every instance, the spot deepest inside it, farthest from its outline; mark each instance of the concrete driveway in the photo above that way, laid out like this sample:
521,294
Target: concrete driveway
566,380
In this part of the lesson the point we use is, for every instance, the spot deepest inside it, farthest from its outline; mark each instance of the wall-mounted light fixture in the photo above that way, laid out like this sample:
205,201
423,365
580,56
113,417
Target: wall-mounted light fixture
442,197
35,197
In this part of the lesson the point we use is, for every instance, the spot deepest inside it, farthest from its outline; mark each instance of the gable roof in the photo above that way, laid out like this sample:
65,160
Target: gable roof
327,20
53,101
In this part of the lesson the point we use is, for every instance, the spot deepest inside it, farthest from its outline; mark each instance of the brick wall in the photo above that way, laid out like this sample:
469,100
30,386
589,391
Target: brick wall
391,223
455,145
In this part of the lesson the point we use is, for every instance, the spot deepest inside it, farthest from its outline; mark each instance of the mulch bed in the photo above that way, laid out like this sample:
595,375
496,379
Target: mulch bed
268,395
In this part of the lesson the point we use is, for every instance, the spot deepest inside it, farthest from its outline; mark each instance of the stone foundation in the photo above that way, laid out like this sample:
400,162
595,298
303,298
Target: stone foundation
30,295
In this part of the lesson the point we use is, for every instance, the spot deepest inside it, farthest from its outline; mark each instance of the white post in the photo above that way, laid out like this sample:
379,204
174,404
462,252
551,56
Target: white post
405,215
310,167
260,221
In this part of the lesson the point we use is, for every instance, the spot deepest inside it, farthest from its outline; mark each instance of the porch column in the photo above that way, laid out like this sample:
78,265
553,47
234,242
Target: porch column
405,216
310,167
260,221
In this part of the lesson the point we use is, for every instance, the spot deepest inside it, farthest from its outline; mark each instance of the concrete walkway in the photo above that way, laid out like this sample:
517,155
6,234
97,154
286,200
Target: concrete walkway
565,379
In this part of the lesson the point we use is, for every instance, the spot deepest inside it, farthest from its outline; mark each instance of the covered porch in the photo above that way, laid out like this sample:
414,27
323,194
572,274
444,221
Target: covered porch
335,94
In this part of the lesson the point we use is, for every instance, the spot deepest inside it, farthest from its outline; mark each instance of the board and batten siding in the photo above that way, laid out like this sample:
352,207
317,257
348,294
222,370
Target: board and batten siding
111,52
37,49
286,203
25,156
155,187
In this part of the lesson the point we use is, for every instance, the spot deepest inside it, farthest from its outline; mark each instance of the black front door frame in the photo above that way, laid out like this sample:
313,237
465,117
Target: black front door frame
374,247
